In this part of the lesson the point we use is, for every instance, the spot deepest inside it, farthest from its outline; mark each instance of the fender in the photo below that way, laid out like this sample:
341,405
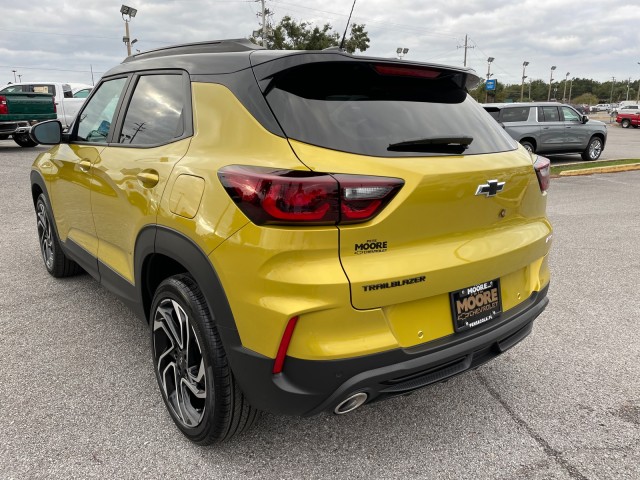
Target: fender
158,240
70,249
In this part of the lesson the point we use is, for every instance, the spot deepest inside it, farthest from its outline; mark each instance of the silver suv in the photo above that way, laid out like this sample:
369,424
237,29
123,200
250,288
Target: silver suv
548,128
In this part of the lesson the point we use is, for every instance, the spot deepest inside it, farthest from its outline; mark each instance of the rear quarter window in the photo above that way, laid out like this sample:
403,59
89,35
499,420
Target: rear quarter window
515,114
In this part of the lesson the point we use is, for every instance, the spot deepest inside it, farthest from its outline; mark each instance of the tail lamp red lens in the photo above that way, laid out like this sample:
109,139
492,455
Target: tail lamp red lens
542,167
289,197
4,109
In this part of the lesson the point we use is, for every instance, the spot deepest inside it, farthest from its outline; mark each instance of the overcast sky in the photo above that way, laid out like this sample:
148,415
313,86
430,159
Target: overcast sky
57,40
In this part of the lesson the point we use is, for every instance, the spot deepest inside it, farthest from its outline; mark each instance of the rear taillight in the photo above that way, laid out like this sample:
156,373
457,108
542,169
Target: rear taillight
55,105
4,109
542,167
286,197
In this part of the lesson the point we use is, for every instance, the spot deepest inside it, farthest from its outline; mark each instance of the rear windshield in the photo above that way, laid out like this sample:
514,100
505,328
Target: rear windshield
352,107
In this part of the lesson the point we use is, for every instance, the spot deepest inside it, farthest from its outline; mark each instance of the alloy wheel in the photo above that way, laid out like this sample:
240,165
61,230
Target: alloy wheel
44,235
179,363
595,149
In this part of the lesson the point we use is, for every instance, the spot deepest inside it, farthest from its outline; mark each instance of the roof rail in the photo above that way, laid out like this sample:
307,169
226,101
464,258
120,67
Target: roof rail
211,46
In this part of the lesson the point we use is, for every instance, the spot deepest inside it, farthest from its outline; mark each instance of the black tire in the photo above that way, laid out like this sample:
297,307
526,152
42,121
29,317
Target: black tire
55,261
625,123
528,145
195,380
593,150
24,140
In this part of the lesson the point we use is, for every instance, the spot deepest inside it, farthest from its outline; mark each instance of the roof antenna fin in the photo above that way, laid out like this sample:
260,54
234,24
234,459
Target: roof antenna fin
345,28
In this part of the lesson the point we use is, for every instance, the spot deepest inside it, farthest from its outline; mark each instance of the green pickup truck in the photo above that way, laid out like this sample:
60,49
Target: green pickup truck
19,111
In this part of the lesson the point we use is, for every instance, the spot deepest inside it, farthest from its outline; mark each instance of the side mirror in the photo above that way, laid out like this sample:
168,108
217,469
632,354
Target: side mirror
585,119
47,133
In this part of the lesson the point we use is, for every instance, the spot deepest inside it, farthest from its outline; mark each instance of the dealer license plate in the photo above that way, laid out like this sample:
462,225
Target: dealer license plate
473,306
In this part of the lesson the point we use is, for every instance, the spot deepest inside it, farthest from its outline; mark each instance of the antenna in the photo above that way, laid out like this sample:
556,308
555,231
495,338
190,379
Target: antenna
347,26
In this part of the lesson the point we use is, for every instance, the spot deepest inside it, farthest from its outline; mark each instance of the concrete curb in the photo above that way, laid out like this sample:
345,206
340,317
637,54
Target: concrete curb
590,171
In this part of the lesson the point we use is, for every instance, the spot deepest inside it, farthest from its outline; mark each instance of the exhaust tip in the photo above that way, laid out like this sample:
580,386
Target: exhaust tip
351,403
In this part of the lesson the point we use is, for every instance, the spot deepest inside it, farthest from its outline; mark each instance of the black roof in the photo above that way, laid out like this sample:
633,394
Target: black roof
228,56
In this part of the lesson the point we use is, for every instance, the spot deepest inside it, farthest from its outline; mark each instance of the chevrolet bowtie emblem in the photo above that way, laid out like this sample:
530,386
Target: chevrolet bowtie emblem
490,188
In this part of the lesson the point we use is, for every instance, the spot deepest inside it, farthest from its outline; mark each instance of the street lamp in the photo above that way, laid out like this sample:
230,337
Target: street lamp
14,75
129,12
564,94
550,82
570,88
401,52
524,65
529,89
489,75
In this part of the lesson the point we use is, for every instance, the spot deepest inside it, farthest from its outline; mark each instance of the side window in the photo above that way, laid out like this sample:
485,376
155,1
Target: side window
548,114
96,118
570,115
84,93
156,111
516,114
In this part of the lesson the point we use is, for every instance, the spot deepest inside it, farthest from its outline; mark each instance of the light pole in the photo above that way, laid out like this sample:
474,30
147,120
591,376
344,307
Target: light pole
613,81
529,89
14,75
628,84
550,82
129,12
564,94
570,87
401,52
524,65
489,74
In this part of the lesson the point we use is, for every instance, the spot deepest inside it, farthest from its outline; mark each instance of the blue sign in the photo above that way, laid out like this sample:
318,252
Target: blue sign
490,84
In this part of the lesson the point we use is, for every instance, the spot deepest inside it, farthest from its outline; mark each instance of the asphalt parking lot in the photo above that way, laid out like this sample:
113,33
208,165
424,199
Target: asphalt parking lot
79,399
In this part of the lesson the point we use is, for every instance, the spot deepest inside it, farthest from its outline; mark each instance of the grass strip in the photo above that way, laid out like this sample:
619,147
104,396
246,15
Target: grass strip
585,165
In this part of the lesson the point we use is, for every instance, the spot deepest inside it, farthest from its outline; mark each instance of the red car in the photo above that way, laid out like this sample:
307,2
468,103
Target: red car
627,120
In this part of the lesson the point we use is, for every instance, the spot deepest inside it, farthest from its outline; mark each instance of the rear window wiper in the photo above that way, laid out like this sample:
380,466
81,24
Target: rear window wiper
433,144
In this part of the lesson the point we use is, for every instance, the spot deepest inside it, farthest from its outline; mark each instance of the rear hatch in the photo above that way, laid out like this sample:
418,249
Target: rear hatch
470,209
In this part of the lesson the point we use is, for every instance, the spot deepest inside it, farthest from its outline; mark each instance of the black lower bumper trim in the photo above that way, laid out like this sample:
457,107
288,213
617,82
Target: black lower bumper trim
307,387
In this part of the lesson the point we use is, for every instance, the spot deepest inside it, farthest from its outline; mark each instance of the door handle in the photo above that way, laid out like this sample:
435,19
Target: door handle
84,165
148,178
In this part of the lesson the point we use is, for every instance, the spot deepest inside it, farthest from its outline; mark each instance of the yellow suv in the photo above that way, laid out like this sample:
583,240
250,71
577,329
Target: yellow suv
303,231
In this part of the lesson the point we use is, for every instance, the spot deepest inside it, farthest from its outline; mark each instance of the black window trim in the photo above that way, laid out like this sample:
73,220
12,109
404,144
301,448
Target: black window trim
73,137
123,107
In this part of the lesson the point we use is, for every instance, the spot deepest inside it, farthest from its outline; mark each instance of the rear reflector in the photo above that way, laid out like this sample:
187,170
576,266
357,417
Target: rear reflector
278,364
291,197
542,166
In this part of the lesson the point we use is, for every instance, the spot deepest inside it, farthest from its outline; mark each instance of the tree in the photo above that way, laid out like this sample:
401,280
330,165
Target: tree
291,35
585,99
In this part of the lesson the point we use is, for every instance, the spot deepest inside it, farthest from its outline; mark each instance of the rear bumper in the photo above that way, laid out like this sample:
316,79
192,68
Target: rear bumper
307,387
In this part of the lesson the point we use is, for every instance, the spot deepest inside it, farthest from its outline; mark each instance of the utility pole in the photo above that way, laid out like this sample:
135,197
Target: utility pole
265,27
628,85
465,46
